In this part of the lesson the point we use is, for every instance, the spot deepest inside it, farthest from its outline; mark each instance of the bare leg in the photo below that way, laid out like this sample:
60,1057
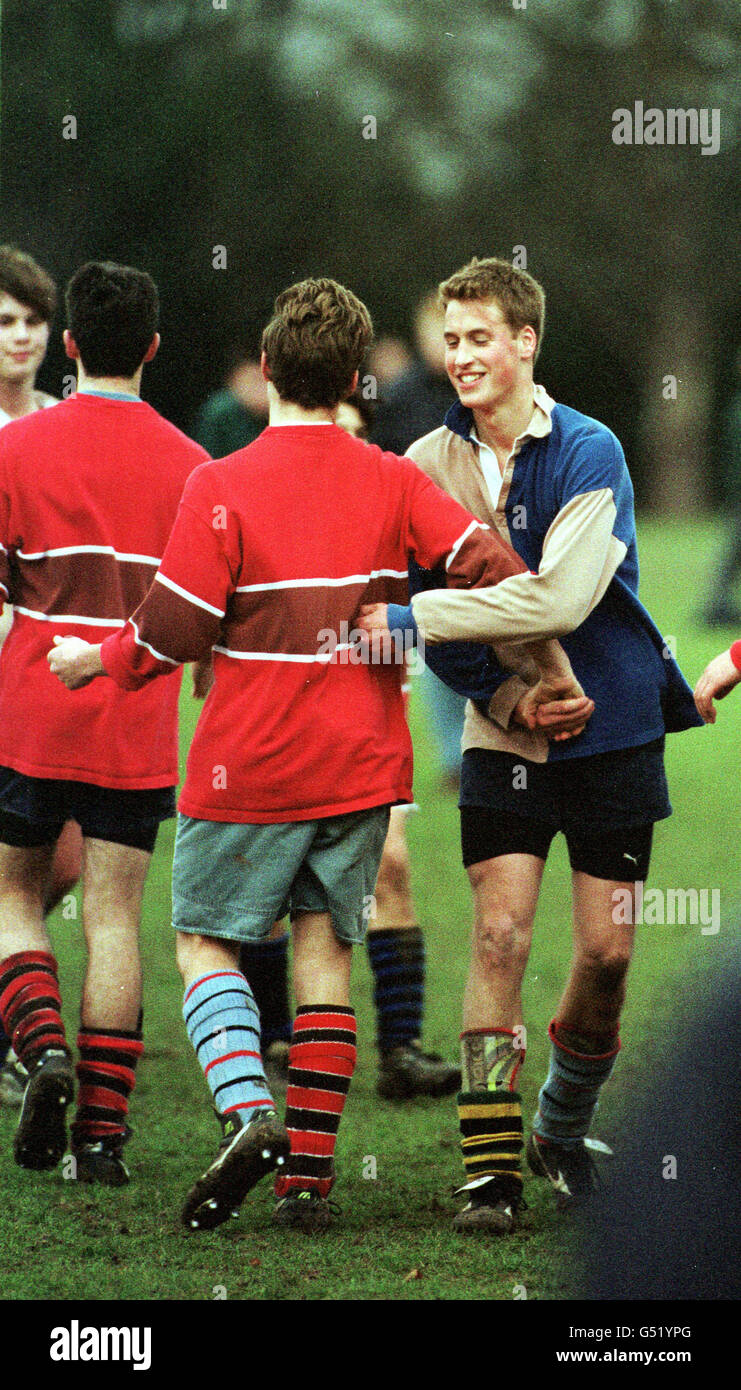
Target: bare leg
199,955
113,877
66,865
505,896
595,989
24,874
321,962
394,902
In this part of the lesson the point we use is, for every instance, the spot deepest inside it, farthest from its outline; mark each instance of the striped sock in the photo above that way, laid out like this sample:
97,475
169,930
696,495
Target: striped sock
568,1097
491,1130
224,1027
30,1004
265,964
105,1071
397,959
321,1064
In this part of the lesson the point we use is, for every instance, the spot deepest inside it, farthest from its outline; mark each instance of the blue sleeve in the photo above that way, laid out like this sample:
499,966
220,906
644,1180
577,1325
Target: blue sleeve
468,668
594,461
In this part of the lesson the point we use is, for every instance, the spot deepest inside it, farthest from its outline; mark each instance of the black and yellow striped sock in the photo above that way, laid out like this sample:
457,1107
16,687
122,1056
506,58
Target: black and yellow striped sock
491,1134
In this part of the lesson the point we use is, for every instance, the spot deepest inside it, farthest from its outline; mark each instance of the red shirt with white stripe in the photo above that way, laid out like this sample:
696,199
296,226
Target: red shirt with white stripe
273,551
88,495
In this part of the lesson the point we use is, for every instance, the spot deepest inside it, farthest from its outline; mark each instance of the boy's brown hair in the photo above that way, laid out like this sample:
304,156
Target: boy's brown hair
315,343
25,281
520,297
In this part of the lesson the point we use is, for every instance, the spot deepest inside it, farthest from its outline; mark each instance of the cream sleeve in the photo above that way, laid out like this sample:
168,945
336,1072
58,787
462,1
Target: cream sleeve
580,557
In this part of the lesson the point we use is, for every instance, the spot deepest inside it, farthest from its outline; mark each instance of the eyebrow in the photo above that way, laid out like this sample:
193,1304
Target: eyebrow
467,333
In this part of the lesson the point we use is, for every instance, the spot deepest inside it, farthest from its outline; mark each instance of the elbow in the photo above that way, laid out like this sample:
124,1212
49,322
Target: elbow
569,617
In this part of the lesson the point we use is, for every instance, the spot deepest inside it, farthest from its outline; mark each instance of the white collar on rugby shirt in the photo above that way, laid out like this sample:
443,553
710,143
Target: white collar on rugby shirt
539,426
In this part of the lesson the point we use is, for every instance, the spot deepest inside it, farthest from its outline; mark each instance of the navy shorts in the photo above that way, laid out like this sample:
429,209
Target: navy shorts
34,809
605,805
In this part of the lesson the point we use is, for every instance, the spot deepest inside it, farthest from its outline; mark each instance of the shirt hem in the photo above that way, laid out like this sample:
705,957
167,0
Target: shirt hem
634,740
259,816
95,778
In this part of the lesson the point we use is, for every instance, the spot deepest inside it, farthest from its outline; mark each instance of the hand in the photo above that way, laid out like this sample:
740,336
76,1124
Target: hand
716,681
372,617
203,677
559,707
75,662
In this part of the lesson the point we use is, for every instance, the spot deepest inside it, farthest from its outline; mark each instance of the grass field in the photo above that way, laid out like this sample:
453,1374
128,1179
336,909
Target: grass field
394,1240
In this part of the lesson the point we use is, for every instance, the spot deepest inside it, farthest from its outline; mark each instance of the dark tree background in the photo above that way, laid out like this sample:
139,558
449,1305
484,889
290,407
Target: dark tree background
241,124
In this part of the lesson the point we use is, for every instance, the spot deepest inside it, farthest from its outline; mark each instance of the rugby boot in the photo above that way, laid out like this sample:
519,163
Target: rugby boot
407,1071
100,1160
41,1137
569,1169
303,1209
493,1205
248,1150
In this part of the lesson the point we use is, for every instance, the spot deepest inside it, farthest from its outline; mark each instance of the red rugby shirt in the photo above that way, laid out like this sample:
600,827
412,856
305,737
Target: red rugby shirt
89,490
273,550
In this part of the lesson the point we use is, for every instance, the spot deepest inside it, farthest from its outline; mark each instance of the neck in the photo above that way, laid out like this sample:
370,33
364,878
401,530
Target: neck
288,413
505,422
17,398
122,385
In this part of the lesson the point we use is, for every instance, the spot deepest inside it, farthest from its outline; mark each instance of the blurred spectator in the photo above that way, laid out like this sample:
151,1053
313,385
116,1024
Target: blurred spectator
413,405
416,402
231,418
723,609
387,360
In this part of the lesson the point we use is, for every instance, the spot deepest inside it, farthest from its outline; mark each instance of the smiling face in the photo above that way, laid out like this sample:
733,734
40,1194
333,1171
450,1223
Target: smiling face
23,340
485,359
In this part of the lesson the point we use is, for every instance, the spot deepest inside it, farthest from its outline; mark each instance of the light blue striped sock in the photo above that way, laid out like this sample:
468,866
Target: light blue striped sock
224,1027
569,1094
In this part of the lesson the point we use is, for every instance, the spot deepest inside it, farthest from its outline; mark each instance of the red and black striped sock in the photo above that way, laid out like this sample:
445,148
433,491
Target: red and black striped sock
105,1071
30,1004
321,1063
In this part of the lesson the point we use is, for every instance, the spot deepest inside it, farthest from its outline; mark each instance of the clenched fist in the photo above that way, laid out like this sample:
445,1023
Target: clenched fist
75,662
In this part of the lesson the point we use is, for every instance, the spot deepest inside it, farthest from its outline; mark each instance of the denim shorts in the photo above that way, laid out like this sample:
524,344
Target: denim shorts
234,880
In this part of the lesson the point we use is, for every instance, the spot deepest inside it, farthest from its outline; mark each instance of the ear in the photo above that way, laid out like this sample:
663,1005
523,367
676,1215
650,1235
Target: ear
153,348
264,367
70,346
528,342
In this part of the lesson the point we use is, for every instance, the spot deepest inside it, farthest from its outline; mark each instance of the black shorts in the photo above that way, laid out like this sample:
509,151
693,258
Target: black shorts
605,805
33,811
